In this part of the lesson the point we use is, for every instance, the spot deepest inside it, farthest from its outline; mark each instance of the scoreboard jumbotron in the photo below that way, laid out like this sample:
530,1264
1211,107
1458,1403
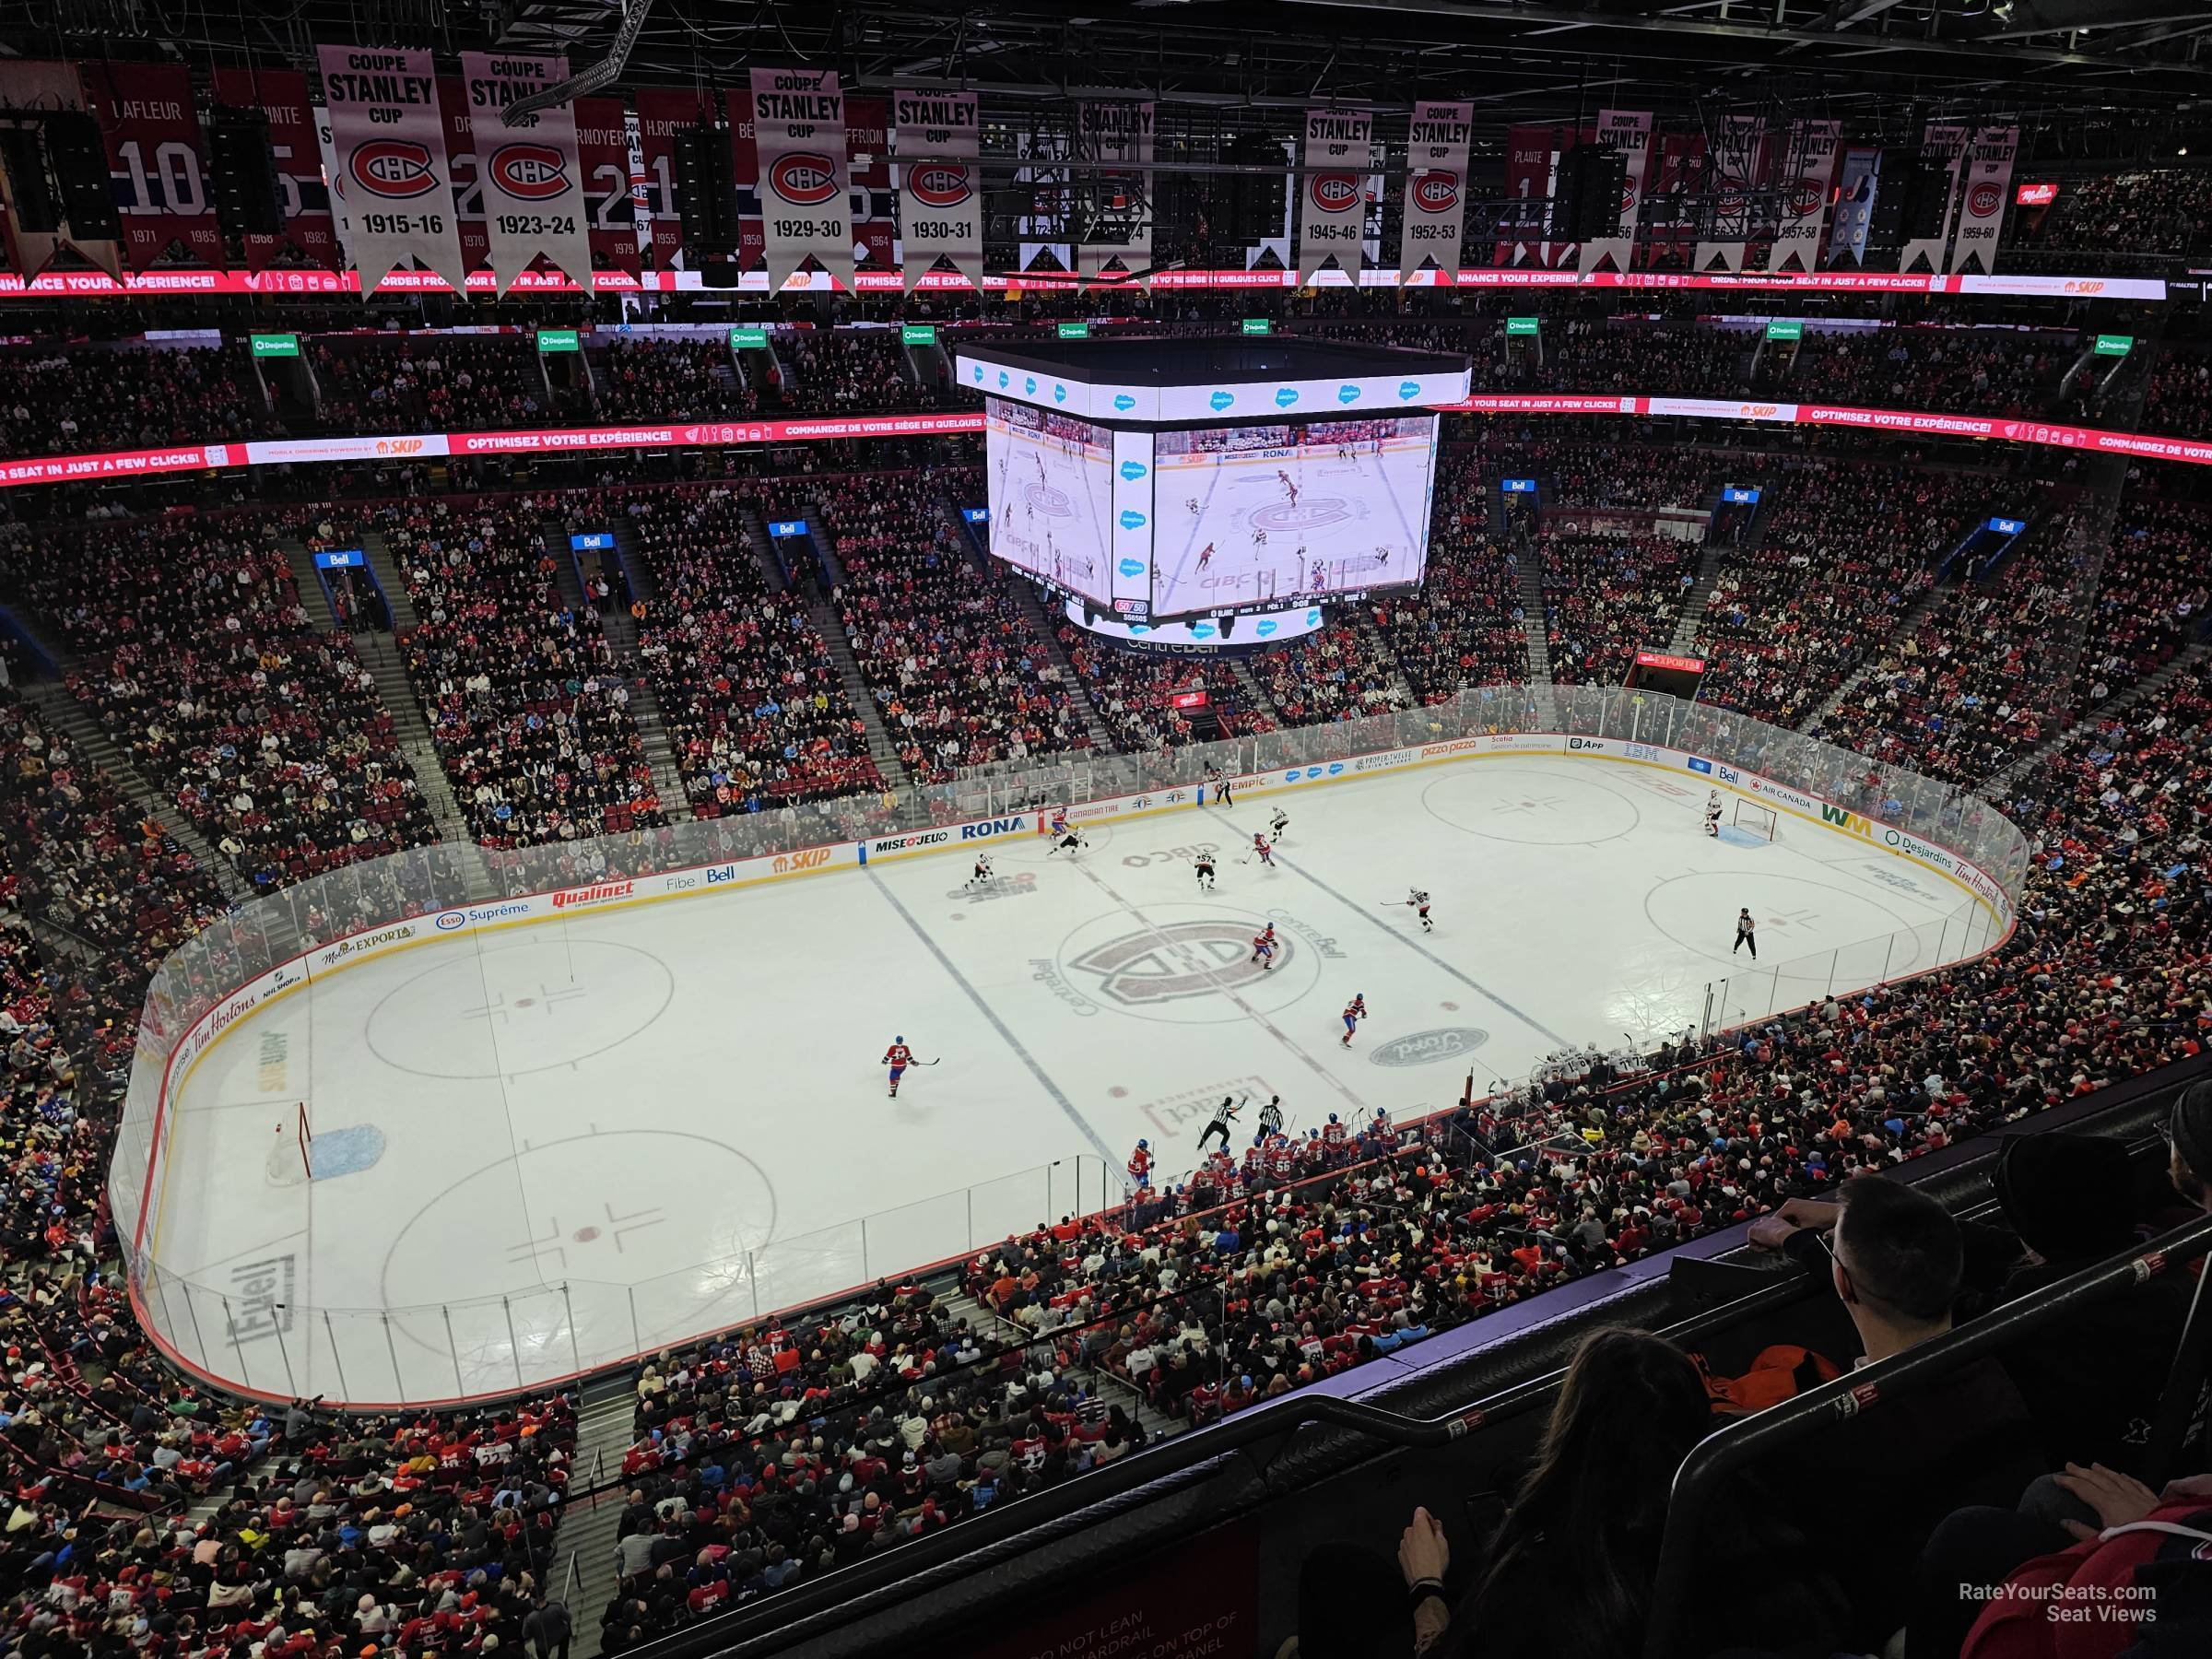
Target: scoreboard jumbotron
1155,480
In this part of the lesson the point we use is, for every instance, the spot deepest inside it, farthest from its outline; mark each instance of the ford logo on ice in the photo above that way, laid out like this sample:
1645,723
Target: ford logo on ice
1222,400
1131,518
1132,567
1285,396
1133,470
1124,401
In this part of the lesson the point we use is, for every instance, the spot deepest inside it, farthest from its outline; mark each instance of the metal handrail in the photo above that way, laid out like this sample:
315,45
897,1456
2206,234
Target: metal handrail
1713,1460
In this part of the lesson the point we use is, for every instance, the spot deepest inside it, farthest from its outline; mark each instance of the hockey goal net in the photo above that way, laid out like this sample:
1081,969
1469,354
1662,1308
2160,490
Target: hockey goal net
291,1149
1754,819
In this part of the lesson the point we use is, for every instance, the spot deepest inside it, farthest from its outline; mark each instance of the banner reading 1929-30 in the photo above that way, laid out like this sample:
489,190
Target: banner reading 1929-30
799,135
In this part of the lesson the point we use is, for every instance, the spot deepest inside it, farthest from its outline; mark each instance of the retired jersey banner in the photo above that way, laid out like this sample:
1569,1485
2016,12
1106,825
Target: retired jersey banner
281,95
1332,220
602,167
1630,131
468,184
940,186
530,175
1985,180
42,86
799,137
387,142
1436,188
151,125
868,163
1529,161
1118,132
1809,172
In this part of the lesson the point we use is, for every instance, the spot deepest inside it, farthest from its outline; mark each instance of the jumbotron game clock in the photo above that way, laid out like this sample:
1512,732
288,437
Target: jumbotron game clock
1158,480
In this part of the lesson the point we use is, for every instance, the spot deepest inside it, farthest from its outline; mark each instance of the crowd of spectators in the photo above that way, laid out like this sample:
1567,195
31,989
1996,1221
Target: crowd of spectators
527,706
2178,397
2154,211
1581,354
435,384
959,674
54,401
646,379
1608,596
2151,596
848,371
754,705
202,664
1967,371
1135,694
1463,625
1839,554
1346,672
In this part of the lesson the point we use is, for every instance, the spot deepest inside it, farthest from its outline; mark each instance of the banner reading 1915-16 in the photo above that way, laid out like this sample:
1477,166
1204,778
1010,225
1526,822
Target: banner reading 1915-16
940,186
1436,188
387,147
1333,210
799,135
531,175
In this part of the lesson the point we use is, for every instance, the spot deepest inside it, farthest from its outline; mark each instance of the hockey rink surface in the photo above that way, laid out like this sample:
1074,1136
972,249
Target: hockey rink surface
557,1145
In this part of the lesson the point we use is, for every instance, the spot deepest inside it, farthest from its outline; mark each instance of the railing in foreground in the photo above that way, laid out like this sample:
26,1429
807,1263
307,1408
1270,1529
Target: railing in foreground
200,1326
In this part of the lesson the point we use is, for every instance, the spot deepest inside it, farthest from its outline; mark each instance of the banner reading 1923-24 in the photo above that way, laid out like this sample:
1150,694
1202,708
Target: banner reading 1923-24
799,135
532,178
387,143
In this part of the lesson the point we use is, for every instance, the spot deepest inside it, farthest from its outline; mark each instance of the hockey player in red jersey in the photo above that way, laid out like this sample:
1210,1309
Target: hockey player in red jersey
1266,853
1354,1012
1332,1136
1262,948
1140,1167
898,1057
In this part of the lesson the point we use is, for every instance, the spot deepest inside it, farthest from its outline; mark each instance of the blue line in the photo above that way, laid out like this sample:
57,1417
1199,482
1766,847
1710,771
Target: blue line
1418,948
998,1025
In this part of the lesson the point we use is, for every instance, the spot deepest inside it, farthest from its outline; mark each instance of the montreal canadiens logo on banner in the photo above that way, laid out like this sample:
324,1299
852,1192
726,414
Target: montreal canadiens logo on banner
936,185
1984,199
1335,192
530,172
1806,196
395,168
1436,192
805,178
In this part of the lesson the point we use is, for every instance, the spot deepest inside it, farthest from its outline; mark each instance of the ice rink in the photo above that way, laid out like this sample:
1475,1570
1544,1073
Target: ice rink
1051,495
557,1145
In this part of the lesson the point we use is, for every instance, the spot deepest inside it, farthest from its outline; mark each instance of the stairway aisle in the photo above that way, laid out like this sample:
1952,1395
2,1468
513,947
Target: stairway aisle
1698,596
605,1424
1532,618
2148,687
880,748
1907,625
1056,660
1108,1387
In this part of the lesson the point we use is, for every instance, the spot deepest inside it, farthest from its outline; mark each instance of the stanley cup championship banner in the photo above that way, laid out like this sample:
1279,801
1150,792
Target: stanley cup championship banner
24,87
1985,179
530,175
940,186
1809,171
1630,131
1436,188
387,150
1118,132
799,139
1333,210
151,125
281,95
1942,142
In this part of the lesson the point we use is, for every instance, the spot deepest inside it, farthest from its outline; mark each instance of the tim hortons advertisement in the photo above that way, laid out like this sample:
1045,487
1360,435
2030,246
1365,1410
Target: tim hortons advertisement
393,182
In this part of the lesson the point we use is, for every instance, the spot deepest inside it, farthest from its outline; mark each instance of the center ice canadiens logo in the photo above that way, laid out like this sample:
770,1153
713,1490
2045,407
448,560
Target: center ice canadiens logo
1182,959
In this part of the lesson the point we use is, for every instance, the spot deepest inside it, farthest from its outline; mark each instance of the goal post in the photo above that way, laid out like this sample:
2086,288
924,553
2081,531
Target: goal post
1755,819
304,1133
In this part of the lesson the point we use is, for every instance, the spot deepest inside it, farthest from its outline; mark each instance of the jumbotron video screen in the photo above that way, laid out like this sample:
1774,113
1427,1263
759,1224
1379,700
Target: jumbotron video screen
1050,479
1283,515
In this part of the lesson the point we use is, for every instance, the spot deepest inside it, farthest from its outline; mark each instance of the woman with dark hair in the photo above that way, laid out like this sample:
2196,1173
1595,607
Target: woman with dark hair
1573,1562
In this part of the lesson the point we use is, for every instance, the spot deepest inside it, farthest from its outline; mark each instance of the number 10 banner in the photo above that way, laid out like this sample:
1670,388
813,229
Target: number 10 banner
387,142
805,208
533,183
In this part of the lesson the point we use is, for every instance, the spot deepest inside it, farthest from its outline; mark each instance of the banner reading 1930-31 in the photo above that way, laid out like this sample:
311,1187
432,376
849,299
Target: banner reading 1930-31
940,187
387,150
799,135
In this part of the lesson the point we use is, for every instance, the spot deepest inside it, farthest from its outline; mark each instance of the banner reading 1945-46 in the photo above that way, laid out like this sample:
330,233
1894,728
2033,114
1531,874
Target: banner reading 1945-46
1333,213
531,176
799,135
387,150
940,187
